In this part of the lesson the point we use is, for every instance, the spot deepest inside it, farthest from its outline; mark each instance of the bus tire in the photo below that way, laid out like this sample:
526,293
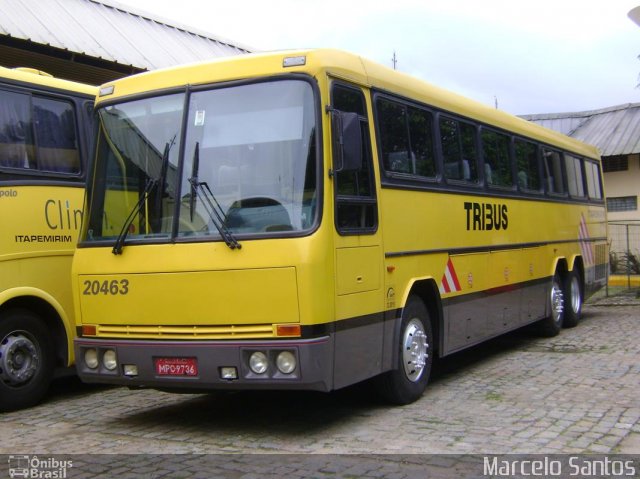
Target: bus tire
407,381
573,299
551,325
26,359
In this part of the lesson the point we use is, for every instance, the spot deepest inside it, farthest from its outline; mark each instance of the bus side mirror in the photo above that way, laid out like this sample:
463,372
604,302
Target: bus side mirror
347,141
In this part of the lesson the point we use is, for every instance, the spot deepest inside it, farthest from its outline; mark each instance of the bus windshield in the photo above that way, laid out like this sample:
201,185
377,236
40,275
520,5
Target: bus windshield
248,167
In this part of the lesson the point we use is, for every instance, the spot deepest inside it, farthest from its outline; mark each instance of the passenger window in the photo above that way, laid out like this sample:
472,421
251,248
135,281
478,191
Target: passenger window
593,180
552,162
421,134
38,134
527,171
394,139
16,133
55,131
575,177
497,163
458,141
406,139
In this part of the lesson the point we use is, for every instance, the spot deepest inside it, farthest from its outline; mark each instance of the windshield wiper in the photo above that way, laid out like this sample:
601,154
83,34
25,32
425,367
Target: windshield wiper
151,183
117,247
200,189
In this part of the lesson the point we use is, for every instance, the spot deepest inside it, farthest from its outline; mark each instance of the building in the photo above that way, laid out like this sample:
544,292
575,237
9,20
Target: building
616,132
94,41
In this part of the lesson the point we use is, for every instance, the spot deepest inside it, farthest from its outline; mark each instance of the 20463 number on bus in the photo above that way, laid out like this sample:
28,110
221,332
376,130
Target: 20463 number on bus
114,287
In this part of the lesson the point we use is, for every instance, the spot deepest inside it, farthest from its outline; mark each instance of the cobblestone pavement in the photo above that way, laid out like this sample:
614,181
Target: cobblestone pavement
576,393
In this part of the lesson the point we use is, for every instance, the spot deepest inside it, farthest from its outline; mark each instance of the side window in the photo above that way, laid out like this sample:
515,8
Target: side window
38,134
527,171
421,135
55,132
575,177
16,133
622,203
593,180
356,207
394,136
406,139
497,161
458,141
552,165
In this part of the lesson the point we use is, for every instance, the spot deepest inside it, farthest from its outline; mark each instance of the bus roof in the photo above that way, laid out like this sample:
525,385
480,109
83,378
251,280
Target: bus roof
343,65
32,76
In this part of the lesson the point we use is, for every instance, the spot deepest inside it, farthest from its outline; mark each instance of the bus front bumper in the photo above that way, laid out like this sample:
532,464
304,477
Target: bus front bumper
207,365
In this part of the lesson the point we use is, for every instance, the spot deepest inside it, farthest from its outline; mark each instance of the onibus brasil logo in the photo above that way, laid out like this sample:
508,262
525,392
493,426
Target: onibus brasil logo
37,468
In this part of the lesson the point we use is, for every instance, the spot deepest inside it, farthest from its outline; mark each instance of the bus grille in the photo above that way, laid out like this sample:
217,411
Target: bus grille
186,332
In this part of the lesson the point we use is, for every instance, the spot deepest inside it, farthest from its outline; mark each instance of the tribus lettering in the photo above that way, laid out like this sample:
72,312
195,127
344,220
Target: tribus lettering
486,216
59,216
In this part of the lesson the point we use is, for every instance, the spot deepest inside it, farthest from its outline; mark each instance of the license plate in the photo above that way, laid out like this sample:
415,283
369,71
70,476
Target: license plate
176,366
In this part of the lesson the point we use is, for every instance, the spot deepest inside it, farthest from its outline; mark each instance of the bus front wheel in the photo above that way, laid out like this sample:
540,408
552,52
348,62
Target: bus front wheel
407,381
26,359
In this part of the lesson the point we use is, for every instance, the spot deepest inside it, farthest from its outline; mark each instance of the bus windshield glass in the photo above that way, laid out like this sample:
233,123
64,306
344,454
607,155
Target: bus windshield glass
248,168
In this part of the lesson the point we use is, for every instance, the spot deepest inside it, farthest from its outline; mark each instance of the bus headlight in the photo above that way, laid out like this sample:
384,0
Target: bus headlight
286,362
91,358
109,359
258,362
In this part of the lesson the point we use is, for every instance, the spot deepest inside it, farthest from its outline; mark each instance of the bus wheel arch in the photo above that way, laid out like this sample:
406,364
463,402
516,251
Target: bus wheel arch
414,347
427,291
27,358
560,267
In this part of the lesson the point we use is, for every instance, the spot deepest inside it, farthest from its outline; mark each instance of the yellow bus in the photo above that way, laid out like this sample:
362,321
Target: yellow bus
310,219
45,136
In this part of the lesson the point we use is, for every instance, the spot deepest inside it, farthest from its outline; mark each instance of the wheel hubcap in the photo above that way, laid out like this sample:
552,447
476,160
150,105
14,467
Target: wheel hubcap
557,302
19,359
415,350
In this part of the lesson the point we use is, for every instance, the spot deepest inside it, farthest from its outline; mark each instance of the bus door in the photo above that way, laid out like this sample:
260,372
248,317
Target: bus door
358,251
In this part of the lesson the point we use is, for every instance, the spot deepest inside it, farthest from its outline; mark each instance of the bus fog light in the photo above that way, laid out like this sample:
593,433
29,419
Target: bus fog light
109,359
258,362
91,358
229,372
130,370
286,362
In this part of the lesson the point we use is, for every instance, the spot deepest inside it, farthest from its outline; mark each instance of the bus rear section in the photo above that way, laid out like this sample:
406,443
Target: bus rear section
45,136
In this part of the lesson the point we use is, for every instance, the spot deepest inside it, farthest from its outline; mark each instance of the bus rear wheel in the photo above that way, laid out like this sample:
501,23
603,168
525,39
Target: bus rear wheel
572,299
407,381
551,325
26,360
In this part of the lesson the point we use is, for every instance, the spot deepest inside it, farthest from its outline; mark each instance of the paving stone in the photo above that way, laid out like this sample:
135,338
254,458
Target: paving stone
575,393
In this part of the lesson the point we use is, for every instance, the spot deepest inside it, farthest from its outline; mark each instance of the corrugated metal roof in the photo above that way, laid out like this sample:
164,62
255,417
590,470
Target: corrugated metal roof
614,130
107,30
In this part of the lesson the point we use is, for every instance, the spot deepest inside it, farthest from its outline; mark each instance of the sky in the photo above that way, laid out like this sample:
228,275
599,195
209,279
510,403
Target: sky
528,56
